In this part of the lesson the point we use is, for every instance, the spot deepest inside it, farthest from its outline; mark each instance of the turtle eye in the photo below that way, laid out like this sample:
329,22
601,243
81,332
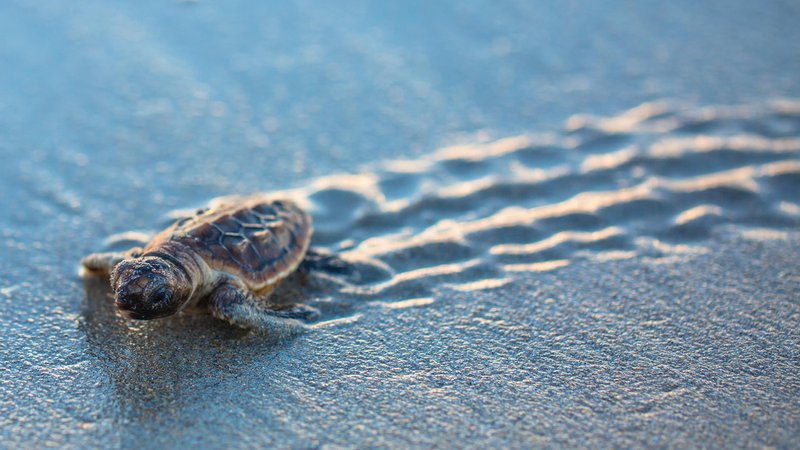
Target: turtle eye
160,296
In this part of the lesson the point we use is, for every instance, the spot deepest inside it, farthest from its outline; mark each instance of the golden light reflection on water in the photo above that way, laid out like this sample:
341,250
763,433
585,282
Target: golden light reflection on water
481,284
698,212
544,266
337,321
765,234
555,240
622,123
410,303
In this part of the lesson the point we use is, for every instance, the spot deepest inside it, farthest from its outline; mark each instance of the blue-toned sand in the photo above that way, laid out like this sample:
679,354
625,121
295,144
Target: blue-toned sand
570,225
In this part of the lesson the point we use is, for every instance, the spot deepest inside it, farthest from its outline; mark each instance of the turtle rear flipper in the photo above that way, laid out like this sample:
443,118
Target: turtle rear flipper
323,261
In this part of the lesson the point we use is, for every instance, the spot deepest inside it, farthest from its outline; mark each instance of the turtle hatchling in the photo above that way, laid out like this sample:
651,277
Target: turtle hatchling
227,258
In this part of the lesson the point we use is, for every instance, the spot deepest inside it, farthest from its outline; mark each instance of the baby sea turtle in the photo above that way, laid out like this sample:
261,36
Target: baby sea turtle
227,258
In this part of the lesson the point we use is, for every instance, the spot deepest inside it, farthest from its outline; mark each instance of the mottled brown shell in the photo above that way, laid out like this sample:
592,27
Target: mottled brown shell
257,239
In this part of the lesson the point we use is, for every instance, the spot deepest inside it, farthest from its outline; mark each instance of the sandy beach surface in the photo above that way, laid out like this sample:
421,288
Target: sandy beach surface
570,225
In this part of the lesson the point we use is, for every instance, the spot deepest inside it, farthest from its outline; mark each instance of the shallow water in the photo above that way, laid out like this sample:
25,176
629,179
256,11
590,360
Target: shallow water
603,251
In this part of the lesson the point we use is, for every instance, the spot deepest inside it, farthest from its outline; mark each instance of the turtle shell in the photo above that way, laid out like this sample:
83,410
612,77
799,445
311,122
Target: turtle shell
257,239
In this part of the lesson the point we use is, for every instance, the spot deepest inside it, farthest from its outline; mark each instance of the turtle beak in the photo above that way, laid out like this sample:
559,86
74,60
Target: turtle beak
124,305
124,308
121,299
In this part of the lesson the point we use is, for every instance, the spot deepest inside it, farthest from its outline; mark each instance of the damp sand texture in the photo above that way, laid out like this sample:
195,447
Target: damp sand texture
562,238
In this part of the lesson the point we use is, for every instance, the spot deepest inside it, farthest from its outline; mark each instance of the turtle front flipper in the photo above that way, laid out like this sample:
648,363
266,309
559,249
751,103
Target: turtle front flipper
239,307
103,263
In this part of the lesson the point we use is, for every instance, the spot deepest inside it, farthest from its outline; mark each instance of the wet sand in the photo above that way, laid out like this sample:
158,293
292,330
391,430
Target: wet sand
538,264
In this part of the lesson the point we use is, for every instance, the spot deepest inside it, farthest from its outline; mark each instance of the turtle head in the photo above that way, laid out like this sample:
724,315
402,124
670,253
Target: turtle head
149,287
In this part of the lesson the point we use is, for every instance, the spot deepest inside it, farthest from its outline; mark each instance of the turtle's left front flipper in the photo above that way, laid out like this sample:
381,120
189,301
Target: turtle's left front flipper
103,263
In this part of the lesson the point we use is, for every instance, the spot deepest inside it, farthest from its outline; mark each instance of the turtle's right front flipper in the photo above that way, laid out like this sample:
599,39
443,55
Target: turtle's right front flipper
240,307
103,263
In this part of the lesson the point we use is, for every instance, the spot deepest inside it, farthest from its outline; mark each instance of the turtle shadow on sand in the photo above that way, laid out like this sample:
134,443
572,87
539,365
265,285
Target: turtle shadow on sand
164,360
163,364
